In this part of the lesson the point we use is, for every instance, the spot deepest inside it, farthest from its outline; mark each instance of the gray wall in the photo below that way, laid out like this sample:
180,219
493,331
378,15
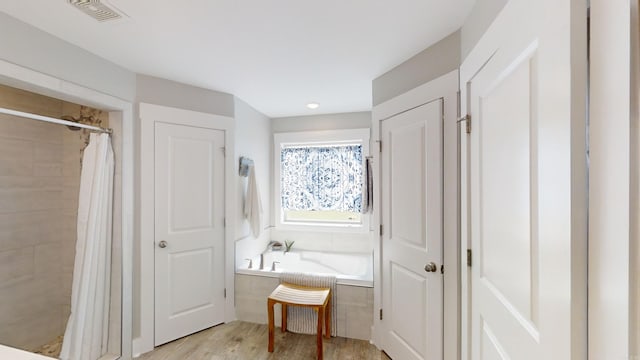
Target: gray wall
440,58
29,47
431,63
159,91
357,120
479,20
253,140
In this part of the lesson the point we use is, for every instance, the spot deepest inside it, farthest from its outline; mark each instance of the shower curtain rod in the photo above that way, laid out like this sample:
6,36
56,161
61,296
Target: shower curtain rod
53,120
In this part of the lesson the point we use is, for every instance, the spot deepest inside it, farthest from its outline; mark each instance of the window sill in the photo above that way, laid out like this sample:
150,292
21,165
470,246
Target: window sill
318,227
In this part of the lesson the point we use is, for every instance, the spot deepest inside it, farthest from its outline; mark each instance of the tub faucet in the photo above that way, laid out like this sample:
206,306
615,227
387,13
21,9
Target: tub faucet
261,262
273,266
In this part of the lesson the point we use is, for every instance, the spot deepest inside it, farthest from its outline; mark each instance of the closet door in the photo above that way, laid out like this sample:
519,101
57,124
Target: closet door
412,280
525,183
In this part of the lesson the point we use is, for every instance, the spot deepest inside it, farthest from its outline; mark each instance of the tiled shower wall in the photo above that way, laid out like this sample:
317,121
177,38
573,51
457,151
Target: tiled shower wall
39,185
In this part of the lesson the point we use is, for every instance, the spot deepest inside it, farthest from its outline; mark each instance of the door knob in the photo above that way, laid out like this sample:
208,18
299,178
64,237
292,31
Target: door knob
431,267
162,244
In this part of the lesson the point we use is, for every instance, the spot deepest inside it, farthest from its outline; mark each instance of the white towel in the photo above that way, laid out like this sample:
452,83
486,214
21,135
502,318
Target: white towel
304,320
252,204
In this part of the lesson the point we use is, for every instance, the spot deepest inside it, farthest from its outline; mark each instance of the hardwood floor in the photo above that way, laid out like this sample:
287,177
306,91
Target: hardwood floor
246,341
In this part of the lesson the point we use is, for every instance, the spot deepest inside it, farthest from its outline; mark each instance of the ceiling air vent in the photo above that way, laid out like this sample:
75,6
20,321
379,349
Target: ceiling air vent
96,9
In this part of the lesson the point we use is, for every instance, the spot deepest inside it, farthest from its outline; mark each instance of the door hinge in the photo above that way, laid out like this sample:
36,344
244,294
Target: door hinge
467,120
225,293
380,314
224,222
224,151
468,257
381,229
441,269
379,145
468,124
459,103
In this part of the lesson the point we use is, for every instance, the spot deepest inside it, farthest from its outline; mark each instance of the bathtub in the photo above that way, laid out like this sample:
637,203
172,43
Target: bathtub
355,269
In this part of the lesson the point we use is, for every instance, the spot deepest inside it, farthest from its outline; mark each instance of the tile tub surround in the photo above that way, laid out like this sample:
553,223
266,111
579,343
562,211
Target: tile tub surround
349,268
39,185
354,305
330,240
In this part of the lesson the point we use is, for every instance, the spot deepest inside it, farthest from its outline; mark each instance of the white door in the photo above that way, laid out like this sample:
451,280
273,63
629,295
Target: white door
189,230
411,206
520,182
504,213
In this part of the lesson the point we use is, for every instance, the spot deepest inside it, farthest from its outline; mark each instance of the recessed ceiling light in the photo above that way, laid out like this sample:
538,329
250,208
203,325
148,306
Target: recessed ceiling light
313,105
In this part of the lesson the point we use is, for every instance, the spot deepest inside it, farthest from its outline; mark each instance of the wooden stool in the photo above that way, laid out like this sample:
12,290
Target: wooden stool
319,299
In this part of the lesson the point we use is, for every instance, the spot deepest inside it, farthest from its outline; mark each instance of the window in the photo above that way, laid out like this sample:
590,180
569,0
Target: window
321,183
320,177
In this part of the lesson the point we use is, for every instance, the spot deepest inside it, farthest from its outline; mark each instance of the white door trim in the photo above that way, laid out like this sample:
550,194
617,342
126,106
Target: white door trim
445,87
31,80
613,182
145,342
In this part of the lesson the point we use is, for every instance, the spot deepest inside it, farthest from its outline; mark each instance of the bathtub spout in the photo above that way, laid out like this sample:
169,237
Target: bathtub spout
273,266
261,262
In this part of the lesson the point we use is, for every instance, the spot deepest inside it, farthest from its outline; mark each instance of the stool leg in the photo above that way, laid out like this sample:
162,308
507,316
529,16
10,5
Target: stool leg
284,317
327,319
319,335
270,304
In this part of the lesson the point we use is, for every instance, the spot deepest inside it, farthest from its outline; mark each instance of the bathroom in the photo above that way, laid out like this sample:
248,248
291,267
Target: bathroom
42,163
114,113
75,63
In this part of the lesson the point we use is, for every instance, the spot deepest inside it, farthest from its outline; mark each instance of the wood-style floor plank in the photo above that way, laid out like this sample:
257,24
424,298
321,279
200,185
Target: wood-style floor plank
246,341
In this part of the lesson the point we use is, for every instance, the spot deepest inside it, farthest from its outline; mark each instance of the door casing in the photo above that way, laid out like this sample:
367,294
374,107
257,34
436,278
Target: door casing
148,117
444,87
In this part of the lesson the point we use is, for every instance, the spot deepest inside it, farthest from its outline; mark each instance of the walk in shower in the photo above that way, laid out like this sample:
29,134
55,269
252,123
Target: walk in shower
40,181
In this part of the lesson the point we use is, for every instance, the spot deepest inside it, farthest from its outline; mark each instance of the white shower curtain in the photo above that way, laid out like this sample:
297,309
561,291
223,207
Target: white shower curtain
87,329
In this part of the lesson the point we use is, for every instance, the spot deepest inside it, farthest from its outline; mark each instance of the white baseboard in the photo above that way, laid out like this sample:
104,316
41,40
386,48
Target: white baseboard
137,346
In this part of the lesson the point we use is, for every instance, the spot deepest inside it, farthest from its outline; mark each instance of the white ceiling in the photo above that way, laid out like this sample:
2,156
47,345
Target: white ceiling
277,55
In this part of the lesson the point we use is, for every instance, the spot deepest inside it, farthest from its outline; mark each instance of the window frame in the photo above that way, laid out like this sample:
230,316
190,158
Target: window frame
319,138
